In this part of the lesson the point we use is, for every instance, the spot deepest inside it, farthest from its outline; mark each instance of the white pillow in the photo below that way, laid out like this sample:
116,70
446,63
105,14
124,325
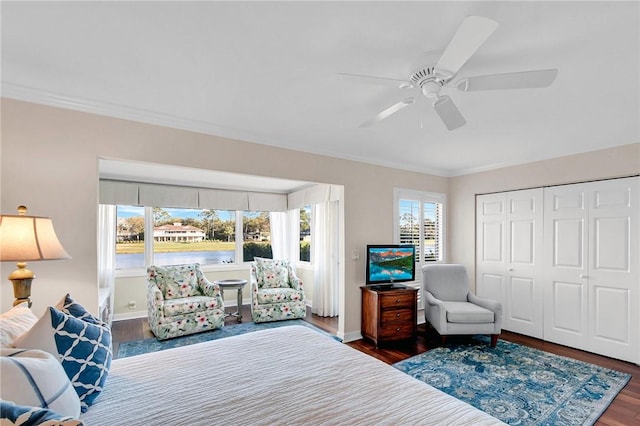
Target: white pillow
14,323
35,378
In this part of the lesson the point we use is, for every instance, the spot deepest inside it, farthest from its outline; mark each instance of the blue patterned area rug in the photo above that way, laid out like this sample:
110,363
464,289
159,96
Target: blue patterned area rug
517,384
138,347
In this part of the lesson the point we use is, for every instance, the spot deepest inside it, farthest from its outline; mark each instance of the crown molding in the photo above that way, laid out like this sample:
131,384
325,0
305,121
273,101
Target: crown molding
37,96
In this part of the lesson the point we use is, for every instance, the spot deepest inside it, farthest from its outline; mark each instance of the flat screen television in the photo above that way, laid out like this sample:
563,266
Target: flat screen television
390,263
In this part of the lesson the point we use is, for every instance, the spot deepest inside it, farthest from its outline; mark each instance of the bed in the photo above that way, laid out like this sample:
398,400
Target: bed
287,375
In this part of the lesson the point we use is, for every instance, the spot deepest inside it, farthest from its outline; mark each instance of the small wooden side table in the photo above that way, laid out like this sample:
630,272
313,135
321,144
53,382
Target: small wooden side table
231,284
389,313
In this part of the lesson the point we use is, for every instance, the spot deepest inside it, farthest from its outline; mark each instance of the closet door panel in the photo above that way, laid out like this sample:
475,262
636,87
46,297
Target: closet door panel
565,267
490,250
524,307
614,282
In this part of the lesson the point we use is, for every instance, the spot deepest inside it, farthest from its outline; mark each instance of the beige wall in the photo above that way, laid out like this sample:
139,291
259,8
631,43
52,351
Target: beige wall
50,157
49,163
615,162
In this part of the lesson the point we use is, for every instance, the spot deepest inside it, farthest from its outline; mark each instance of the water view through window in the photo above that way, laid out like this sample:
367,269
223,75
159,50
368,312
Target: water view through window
179,236
183,236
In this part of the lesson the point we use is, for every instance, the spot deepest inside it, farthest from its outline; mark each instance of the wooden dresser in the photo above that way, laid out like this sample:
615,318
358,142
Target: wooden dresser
389,313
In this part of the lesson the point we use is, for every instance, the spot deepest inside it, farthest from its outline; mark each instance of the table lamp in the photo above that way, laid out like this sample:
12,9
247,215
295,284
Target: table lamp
25,238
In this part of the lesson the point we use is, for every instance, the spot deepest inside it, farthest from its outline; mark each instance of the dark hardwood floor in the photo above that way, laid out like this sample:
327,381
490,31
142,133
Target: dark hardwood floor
624,410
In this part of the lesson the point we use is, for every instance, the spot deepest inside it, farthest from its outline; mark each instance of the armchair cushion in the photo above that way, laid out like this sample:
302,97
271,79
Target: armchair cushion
467,313
272,273
177,281
278,295
188,305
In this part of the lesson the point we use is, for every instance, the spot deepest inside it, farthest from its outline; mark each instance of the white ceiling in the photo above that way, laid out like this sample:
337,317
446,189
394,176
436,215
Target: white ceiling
266,72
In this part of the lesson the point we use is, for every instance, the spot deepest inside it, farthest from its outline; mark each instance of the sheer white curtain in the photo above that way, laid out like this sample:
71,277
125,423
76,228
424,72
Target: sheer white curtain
325,218
107,252
285,235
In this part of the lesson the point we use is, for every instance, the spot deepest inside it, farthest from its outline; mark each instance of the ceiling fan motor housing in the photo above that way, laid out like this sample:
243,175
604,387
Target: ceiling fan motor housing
429,81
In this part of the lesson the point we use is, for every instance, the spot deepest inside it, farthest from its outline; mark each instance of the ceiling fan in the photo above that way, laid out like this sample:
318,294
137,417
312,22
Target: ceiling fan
429,80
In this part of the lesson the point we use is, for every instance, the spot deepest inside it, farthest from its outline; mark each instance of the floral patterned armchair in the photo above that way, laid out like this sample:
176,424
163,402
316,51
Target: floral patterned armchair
276,292
181,301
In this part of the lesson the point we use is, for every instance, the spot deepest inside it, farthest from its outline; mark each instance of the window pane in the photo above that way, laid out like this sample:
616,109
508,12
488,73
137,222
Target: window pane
305,234
432,214
189,236
410,223
130,237
256,234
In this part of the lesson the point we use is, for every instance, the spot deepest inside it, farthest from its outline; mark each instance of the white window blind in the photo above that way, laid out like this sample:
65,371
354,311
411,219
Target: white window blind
419,220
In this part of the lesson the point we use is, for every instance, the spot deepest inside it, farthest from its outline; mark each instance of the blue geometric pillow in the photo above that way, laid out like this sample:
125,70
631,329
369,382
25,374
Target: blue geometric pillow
83,348
73,308
26,416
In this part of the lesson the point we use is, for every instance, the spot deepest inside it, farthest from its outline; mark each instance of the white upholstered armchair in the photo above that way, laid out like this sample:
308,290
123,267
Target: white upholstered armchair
451,308
181,301
276,292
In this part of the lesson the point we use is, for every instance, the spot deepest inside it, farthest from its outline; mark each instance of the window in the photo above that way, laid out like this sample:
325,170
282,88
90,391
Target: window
178,236
256,235
419,221
305,234
130,237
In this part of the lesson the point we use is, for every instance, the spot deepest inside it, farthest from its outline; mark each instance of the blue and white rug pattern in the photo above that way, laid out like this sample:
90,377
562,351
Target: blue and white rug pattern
138,347
517,384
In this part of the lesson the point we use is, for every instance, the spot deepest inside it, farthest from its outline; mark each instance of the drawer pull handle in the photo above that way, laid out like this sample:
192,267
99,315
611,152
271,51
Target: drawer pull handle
397,300
584,276
397,329
398,315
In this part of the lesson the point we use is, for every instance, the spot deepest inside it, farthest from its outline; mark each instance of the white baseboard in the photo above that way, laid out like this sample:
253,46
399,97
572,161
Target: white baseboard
130,315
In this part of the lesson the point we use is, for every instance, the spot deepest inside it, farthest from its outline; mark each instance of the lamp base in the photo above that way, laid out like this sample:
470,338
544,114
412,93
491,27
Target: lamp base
22,291
21,279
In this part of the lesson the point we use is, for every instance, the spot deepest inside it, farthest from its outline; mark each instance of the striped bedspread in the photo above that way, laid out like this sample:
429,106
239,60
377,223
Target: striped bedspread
283,376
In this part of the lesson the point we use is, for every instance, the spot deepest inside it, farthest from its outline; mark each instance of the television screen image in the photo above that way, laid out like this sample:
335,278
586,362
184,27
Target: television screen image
391,263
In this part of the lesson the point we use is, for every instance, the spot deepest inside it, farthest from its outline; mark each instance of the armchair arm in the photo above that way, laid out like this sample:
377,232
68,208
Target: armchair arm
438,311
207,287
490,304
294,281
155,300
253,282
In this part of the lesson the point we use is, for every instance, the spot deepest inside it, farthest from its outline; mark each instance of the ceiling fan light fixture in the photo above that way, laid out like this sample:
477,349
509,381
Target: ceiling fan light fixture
431,89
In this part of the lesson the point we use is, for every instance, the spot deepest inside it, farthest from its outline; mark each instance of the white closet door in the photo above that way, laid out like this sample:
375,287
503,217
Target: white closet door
509,256
523,309
614,294
566,272
491,263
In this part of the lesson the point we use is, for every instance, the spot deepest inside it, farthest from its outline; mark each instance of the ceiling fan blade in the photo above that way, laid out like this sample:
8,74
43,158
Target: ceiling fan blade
389,111
514,80
395,82
449,113
471,34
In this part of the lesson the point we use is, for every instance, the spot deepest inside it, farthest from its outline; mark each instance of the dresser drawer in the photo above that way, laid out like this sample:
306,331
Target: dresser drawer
397,330
392,301
397,315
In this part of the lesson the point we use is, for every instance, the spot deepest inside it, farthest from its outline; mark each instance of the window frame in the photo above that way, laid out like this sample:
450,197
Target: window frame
422,197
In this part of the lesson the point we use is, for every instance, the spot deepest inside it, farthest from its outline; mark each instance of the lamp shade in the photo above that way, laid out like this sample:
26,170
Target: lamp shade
25,238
